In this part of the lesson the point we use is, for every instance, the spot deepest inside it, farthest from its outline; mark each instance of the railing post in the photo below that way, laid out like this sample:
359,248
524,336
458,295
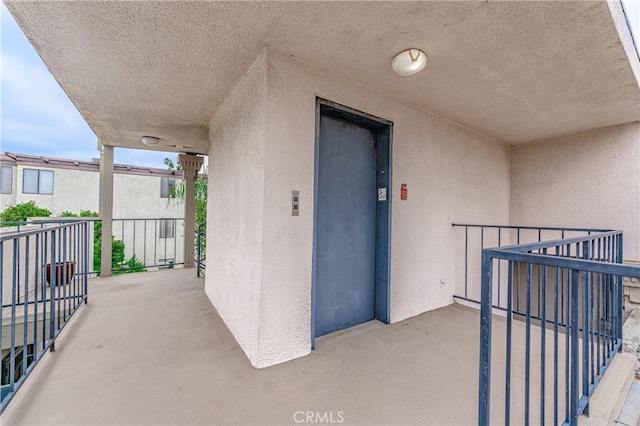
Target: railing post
586,325
484,399
574,285
620,291
52,284
199,250
86,260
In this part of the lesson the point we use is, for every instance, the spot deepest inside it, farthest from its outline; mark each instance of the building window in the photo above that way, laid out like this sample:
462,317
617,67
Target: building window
165,186
167,228
37,181
6,180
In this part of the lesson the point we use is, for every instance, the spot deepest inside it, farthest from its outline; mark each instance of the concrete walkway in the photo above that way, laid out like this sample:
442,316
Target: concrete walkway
150,349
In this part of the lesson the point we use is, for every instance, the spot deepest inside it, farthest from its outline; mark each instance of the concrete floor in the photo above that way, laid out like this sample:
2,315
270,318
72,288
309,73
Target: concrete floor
150,349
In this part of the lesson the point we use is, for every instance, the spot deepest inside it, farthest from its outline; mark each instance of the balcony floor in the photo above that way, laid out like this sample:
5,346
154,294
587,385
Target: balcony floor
149,348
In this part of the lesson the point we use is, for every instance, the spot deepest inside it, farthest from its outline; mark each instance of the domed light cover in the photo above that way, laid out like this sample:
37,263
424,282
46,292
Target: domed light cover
409,62
150,140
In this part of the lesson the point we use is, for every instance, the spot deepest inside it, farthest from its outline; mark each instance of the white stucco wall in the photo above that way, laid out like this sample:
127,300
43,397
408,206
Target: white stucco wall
453,175
589,179
235,219
72,190
134,196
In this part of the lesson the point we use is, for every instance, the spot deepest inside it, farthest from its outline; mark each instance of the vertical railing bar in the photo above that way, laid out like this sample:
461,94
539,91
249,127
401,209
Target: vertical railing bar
36,287
608,298
14,291
539,277
122,225
543,342
144,244
585,326
86,260
17,262
155,242
175,241
592,316
567,318
25,319
507,396
555,345
499,274
198,229
484,388
76,258
65,275
574,285
527,362
45,244
620,290
58,275
52,283
466,260
134,237
518,287
598,307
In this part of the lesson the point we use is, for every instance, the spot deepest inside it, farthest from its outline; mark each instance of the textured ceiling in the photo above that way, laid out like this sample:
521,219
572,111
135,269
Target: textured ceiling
515,71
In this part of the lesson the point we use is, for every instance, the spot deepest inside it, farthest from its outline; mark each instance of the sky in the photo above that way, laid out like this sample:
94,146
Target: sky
37,117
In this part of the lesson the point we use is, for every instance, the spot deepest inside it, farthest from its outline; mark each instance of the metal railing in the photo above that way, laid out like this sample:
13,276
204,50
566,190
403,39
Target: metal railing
478,237
42,284
201,252
138,244
566,298
150,243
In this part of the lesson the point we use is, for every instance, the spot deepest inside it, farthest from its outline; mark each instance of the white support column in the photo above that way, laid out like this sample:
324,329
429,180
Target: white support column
106,208
190,165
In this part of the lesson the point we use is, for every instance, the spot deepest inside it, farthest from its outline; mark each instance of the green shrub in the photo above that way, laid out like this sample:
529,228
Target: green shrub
21,212
130,266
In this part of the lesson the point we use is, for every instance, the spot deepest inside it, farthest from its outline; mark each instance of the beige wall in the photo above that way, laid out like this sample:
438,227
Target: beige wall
235,220
590,179
74,190
447,168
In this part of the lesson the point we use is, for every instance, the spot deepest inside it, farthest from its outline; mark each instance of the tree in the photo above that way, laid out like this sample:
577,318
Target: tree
21,212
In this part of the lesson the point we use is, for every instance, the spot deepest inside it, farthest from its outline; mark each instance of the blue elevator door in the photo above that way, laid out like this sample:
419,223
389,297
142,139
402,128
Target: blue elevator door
345,226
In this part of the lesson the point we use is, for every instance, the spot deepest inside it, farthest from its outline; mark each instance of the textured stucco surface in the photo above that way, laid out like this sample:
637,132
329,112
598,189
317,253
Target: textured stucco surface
589,179
516,71
133,196
268,259
235,211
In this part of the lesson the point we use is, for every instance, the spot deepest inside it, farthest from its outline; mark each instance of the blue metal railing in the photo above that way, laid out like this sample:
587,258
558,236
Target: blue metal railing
42,284
478,237
201,242
141,243
565,294
155,243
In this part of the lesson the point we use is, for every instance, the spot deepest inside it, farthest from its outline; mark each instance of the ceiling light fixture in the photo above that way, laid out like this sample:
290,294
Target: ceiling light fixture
150,140
409,62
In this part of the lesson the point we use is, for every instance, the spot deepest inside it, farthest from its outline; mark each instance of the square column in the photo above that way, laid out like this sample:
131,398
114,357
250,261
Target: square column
190,165
106,208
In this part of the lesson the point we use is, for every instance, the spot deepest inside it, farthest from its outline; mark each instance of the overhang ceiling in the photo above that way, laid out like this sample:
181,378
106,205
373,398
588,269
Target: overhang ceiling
515,71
